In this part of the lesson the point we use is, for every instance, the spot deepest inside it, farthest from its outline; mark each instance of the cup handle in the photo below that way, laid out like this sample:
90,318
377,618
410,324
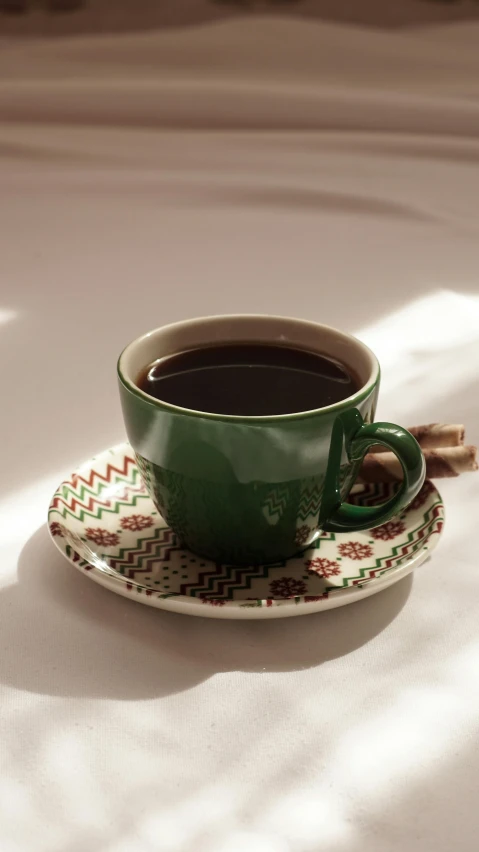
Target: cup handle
359,437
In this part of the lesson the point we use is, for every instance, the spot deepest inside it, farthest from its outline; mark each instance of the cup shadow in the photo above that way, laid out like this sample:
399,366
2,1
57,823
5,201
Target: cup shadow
74,638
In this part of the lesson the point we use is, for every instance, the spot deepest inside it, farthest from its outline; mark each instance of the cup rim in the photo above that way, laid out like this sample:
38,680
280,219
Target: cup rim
162,405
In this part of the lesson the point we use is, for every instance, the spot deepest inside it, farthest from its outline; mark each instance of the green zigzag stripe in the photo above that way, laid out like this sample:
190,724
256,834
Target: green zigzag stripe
277,501
68,488
85,513
424,525
80,513
309,511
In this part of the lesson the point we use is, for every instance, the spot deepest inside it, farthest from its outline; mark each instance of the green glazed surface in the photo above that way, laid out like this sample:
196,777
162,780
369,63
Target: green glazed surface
255,490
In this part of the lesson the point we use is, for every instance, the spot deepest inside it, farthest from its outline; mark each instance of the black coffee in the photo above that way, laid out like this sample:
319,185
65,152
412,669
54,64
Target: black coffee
248,379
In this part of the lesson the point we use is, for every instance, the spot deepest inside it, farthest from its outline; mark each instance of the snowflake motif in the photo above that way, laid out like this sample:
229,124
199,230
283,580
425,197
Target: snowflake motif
102,538
389,530
302,535
323,567
355,550
56,529
421,498
212,601
287,587
136,522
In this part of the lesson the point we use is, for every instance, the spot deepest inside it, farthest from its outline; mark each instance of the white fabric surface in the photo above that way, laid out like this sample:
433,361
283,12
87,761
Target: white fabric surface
308,169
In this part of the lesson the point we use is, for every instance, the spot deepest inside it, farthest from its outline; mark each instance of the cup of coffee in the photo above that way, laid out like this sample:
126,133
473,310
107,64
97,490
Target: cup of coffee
249,432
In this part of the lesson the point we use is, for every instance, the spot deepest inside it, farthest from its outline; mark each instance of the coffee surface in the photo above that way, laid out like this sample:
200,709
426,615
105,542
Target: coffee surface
249,379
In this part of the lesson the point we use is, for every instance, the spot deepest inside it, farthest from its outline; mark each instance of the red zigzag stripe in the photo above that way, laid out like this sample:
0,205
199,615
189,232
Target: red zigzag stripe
128,462
76,480
92,502
390,563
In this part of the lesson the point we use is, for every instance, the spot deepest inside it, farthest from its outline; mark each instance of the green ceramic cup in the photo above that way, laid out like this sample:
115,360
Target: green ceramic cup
254,490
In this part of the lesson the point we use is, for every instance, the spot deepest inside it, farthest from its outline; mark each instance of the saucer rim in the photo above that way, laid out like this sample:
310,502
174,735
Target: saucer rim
237,609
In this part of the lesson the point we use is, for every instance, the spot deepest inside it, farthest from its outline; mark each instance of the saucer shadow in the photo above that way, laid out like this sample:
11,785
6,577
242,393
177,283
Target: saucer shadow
71,637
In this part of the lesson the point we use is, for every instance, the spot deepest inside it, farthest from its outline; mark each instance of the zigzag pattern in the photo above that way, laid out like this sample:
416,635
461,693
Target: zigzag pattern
310,503
93,494
80,497
373,494
144,556
133,586
233,578
216,581
323,538
431,525
276,502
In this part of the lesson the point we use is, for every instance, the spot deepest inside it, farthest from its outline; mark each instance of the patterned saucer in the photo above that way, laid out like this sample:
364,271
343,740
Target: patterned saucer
104,522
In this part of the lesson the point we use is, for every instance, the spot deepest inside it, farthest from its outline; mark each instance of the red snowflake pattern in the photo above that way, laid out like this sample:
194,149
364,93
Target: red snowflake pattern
102,538
389,530
287,587
136,522
212,601
56,529
302,535
355,550
323,567
421,498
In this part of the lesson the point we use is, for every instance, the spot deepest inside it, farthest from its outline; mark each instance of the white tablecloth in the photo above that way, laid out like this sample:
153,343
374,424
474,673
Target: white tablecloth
318,170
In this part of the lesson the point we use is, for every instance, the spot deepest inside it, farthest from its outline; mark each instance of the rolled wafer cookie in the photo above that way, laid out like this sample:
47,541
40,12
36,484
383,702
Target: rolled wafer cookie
440,463
433,435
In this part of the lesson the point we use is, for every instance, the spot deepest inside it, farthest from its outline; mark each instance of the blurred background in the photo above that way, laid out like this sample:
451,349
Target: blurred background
160,160
176,158
104,16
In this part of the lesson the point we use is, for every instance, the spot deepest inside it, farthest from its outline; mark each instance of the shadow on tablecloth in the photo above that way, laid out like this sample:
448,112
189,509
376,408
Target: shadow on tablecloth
78,639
